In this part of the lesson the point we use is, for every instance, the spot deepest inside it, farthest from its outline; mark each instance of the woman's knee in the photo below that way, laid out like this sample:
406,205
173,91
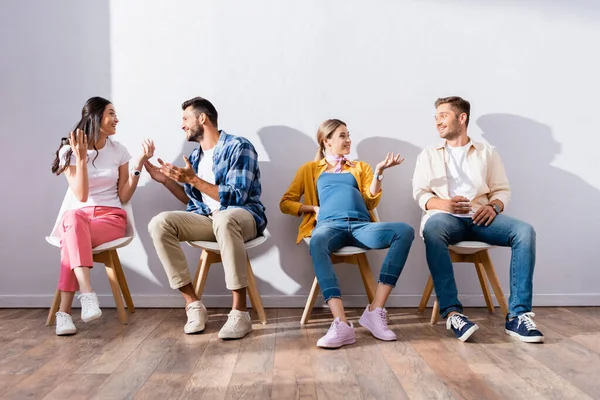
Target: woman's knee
74,217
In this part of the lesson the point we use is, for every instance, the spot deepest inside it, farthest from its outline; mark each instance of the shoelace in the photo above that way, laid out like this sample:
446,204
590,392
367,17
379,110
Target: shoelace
62,319
335,327
526,319
86,300
382,314
192,315
457,321
233,321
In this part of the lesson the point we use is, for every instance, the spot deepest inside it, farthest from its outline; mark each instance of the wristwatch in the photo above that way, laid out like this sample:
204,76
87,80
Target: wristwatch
135,172
496,208
378,177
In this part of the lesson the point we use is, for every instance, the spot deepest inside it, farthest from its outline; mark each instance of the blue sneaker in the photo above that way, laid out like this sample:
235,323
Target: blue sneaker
461,326
524,328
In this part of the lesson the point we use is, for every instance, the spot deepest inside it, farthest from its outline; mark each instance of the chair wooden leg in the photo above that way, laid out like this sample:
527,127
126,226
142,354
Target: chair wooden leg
484,286
310,302
202,272
484,258
54,308
122,281
426,295
255,299
114,285
435,314
367,276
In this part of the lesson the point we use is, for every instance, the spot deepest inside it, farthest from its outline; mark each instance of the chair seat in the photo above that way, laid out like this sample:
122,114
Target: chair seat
112,245
469,247
344,251
214,246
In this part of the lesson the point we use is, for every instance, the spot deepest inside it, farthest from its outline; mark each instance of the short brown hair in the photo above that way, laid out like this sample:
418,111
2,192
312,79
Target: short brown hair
202,106
459,105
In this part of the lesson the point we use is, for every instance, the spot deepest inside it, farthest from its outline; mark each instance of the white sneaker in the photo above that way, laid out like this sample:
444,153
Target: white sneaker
196,317
90,310
64,324
237,326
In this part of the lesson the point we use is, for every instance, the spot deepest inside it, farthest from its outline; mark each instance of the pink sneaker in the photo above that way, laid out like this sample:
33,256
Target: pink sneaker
376,322
338,335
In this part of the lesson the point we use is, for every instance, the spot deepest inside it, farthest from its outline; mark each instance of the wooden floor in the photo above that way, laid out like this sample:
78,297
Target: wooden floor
151,358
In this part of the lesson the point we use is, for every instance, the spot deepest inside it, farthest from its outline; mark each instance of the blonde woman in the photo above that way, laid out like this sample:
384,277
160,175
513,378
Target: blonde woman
339,196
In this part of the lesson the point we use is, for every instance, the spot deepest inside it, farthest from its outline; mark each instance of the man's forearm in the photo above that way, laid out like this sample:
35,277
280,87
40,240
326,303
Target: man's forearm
177,190
435,203
209,189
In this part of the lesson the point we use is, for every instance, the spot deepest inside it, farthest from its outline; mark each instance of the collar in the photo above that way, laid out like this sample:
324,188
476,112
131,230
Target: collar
442,144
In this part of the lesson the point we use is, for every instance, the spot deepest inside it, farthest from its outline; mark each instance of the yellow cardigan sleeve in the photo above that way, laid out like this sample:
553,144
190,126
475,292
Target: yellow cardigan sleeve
366,178
290,202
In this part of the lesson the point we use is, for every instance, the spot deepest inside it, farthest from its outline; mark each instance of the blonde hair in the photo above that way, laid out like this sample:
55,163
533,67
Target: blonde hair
325,131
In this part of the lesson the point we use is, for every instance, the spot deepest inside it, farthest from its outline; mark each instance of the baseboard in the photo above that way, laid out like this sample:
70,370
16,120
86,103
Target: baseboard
295,301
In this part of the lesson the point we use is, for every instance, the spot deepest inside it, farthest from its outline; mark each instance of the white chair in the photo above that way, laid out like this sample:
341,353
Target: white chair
212,254
476,253
347,255
106,254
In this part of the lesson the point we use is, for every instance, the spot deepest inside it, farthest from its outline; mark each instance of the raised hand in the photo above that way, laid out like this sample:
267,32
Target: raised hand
183,175
155,173
390,160
79,144
148,148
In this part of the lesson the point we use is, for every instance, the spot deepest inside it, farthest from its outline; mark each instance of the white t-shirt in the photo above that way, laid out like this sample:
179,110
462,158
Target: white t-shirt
205,172
103,173
459,182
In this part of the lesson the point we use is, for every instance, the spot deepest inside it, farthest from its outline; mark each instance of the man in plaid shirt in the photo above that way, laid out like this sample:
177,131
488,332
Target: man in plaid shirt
221,187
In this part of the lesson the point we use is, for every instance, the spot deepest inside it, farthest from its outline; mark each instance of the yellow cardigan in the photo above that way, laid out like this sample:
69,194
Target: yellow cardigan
305,183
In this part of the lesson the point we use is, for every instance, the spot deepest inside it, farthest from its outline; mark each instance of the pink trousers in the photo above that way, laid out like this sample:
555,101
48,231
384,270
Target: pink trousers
82,230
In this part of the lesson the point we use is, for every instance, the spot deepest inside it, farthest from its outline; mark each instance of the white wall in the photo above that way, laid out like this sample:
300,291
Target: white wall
275,70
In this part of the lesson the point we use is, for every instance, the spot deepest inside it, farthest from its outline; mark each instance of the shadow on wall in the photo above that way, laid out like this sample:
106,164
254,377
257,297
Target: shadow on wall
150,200
560,205
53,59
397,204
287,149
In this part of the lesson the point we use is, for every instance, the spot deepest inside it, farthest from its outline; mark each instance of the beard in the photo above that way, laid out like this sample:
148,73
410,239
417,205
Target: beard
451,135
196,133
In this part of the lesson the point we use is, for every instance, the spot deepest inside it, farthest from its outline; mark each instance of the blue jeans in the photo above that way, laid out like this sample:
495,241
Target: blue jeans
443,229
331,235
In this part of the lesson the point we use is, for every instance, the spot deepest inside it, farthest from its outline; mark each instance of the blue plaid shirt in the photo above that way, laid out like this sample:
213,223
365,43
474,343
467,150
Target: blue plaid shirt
235,165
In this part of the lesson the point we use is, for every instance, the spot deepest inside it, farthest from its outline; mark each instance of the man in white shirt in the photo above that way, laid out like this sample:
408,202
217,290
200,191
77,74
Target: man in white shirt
462,187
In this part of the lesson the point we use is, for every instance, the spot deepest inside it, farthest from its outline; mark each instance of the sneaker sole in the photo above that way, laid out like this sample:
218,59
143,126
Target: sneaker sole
93,317
370,329
344,343
191,332
66,333
526,339
233,337
468,333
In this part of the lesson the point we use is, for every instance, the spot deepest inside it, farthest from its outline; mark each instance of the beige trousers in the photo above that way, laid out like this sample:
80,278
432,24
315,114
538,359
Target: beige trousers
229,228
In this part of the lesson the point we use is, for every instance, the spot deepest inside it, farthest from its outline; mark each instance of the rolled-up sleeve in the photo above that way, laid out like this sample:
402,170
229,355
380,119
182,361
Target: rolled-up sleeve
366,178
290,202
243,167
497,180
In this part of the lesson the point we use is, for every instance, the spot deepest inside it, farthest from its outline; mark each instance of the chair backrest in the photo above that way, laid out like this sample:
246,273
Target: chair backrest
69,202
